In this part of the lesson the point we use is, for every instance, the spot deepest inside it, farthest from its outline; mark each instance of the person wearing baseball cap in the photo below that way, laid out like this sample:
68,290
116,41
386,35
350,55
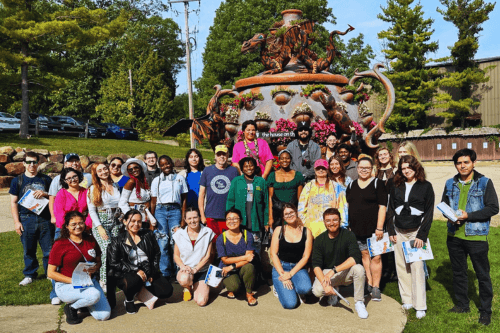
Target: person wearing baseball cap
317,196
305,152
215,183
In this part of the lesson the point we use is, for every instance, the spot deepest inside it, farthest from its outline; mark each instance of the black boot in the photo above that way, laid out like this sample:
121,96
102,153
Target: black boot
130,307
71,315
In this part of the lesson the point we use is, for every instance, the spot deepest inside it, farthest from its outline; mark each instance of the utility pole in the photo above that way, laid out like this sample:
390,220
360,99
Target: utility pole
188,62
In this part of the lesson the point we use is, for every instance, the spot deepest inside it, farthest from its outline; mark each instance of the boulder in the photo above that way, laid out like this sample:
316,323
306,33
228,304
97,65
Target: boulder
50,167
140,157
15,168
5,181
56,152
97,159
44,152
84,160
124,157
3,171
7,150
42,159
19,157
88,169
4,158
19,149
52,175
56,158
179,163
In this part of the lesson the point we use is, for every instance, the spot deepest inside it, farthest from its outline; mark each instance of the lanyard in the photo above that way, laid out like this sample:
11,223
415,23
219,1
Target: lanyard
78,250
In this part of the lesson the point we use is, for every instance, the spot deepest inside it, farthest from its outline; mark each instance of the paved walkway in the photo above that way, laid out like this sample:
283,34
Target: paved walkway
221,315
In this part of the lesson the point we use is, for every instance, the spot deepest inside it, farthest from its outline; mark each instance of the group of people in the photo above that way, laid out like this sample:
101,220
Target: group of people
145,226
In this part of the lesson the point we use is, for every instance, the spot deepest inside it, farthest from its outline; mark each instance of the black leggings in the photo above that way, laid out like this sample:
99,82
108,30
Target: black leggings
132,283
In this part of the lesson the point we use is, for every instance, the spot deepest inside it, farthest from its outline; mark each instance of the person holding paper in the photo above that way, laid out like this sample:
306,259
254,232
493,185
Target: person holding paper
473,196
192,251
168,203
409,218
336,260
134,261
73,247
291,248
102,201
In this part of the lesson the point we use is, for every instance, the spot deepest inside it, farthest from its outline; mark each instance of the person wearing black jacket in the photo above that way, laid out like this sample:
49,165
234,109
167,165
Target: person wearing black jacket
409,218
133,262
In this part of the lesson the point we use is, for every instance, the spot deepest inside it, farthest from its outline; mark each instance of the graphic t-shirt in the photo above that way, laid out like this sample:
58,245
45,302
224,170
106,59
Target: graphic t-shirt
249,203
193,181
40,182
65,255
217,183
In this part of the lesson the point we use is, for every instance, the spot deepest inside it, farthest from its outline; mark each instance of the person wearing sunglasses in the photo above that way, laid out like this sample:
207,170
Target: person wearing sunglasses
115,170
71,197
136,193
76,246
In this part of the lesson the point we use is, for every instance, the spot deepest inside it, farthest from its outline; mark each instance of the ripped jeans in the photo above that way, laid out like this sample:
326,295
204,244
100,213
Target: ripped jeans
168,218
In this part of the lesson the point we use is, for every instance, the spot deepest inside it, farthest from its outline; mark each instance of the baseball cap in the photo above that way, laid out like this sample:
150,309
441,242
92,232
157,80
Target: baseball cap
303,125
221,148
70,156
321,163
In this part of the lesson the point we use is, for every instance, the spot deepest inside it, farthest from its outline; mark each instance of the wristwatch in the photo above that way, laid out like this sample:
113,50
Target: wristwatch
335,269
233,266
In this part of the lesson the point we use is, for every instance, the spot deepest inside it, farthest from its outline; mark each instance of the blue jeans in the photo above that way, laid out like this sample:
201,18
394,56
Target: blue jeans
92,298
36,229
168,217
57,233
301,285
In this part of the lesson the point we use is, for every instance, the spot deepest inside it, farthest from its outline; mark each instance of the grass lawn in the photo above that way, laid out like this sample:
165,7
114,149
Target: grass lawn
439,294
102,147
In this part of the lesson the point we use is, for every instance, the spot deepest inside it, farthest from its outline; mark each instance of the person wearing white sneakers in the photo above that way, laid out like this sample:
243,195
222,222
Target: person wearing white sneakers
30,226
336,260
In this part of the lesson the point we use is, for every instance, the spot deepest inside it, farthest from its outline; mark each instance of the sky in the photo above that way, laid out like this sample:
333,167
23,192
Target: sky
361,14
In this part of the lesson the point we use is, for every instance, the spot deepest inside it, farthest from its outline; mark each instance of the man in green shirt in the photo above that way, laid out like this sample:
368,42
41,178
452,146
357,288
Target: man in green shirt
474,198
336,260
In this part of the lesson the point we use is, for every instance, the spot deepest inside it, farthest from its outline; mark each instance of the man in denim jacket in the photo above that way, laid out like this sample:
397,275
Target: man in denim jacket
473,197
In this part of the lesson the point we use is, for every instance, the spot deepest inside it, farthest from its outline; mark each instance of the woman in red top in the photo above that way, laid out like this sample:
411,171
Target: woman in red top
73,247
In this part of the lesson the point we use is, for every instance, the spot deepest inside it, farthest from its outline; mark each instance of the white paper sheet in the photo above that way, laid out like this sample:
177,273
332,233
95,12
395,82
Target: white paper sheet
80,278
447,211
212,280
413,254
379,247
35,205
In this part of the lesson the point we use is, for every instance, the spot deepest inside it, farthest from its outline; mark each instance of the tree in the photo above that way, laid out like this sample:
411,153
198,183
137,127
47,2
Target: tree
36,36
468,16
239,20
354,55
408,41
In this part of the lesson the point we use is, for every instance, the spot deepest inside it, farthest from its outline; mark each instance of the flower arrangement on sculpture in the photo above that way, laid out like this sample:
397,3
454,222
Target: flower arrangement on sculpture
322,130
283,125
283,89
363,109
357,128
262,115
303,108
231,115
240,136
310,88
342,105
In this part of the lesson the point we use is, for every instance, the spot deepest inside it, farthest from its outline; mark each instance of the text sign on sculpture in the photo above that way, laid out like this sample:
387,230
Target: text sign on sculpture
264,135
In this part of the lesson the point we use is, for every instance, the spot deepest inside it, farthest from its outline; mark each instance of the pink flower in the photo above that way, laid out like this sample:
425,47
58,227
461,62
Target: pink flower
357,128
240,136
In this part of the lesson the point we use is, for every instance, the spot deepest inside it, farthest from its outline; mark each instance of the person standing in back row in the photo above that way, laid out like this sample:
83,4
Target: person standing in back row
474,196
153,171
304,151
215,183
350,166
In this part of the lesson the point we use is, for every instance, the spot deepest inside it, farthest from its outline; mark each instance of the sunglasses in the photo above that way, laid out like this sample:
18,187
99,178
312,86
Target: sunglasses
133,169
31,162
114,165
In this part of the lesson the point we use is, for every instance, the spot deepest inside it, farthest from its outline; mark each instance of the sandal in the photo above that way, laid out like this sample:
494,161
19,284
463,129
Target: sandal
251,300
230,295
187,295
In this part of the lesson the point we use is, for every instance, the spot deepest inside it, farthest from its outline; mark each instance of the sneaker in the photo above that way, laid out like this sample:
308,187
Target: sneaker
485,318
361,310
55,301
187,295
407,307
26,281
376,294
457,309
368,289
71,315
130,307
333,299
420,314
275,293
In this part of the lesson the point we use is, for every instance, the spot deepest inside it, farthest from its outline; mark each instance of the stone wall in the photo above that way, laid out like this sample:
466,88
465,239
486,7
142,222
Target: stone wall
51,162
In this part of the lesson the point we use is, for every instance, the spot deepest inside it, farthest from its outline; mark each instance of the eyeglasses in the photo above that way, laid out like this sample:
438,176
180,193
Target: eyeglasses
114,165
72,179
133,169
290,214
31,162
151,158
74,225
236,219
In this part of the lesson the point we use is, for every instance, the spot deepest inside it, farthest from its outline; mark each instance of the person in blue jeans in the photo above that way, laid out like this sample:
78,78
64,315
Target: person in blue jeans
32,228
168,203
291,249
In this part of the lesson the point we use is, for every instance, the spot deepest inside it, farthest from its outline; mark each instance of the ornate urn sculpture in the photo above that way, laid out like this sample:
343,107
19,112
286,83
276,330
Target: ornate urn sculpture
294,86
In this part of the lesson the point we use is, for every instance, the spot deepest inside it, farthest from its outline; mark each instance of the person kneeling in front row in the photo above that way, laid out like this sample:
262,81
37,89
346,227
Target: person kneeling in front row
134,262
336,260
74,246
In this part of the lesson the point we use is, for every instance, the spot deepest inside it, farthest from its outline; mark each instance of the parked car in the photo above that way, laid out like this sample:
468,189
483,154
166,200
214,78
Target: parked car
95,130
9,123
45,124
69,125
120,132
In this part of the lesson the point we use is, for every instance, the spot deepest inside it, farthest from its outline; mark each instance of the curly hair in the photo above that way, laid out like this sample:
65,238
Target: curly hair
414,164
64,173
67,219
341,174
378,165
252,160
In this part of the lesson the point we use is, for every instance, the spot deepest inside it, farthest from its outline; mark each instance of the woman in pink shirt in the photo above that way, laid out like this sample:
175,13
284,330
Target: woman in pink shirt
253,147
71,197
